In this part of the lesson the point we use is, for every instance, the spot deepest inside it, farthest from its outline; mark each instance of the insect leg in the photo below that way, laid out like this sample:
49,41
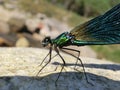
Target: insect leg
75,51
80,62
44,59
62,65
50,53
54,56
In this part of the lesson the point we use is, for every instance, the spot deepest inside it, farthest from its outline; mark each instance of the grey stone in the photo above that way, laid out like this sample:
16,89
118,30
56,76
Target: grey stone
19,66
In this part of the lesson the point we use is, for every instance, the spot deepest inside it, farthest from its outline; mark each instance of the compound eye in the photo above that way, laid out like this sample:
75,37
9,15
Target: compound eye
68,35
46,39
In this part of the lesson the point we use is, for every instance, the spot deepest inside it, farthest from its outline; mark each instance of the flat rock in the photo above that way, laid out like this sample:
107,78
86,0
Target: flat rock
19,66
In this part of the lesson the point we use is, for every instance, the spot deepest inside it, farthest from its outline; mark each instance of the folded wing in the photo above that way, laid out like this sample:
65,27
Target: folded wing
104,28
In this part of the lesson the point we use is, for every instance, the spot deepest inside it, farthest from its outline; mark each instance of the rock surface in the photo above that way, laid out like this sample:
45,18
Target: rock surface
19,66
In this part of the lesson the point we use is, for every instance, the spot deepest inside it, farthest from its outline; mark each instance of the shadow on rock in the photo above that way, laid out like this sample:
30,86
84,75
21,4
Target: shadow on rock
114,67
67,81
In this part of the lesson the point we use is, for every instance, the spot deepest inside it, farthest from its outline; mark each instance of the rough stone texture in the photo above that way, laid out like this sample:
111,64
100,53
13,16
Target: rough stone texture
19,66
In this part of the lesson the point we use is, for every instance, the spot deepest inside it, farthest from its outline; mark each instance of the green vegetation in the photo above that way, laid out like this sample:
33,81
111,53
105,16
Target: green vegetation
86,7
51,10
111,52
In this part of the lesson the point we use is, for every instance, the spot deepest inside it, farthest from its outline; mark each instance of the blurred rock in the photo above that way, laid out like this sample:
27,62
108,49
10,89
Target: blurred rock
37,37
5,43
52,27
25,29
22,42
8,39
32,24
4,14
2,2
41,16
20,65
32,41
38,26
4,27
45,30
16,23
34,28
7,14
12,5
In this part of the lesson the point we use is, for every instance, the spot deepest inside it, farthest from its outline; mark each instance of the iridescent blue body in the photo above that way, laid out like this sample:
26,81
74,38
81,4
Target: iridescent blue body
102,30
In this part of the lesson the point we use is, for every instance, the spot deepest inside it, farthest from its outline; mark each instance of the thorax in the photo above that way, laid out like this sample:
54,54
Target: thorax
62,40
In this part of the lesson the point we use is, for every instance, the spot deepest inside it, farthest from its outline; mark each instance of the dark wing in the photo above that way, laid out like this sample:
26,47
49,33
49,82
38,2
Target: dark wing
104,28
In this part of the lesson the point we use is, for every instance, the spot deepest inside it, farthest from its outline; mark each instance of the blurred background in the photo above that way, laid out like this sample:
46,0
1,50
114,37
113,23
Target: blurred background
24,23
